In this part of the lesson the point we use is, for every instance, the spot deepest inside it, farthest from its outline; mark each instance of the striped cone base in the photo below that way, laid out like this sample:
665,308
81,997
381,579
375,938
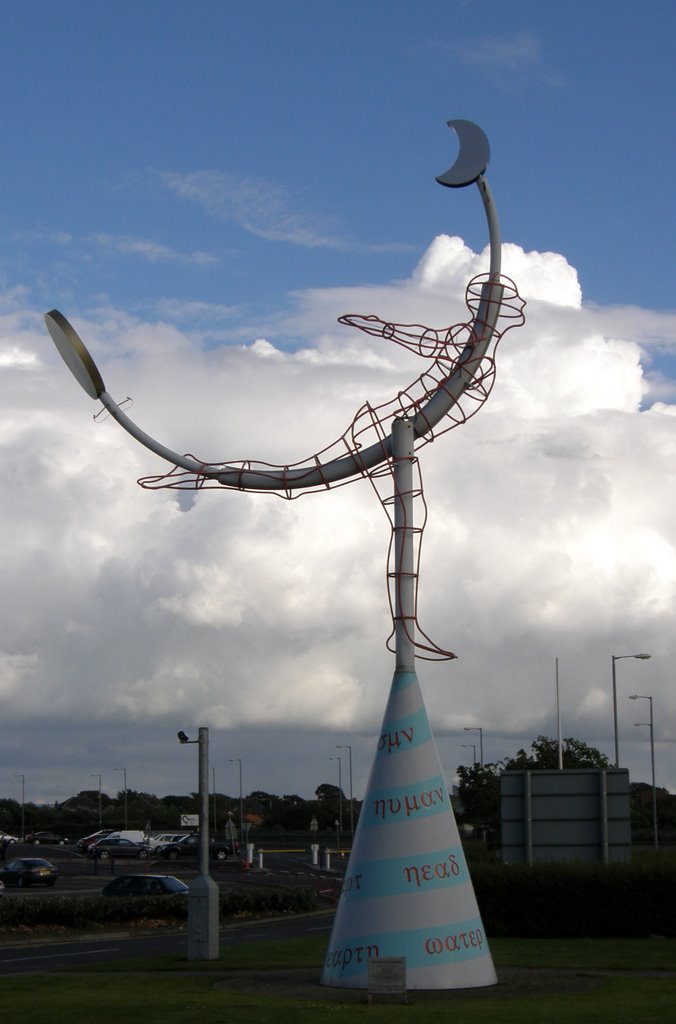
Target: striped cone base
407,891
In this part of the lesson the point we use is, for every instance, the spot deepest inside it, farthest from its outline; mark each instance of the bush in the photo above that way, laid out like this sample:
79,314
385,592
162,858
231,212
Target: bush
97,911
577,900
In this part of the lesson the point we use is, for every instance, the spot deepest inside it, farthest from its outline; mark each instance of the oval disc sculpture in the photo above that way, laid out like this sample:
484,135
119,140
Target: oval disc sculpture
407,893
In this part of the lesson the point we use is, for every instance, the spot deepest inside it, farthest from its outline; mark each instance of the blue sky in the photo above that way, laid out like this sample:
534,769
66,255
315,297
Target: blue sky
315,131
203,188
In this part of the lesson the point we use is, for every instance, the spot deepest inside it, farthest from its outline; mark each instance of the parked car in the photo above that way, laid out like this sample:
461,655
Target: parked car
117,846
25,871
86,841
164,839
2,888
9,838
145,885
52,838
188,846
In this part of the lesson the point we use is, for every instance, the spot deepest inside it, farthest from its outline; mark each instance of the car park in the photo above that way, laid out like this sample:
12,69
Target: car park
136,835
145,885
25,871
50,838
164,839
86,841
117,846
188,846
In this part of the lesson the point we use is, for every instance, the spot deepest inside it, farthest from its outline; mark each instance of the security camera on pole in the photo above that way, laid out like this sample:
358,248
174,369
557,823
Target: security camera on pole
203,891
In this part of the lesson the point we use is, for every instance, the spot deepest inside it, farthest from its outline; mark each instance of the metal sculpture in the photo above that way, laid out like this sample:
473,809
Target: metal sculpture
407,890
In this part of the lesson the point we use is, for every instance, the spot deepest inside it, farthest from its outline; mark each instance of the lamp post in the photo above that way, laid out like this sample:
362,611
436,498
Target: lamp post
476,728
238,760
619,657
23,805
202,891
641,696
346,746
125,793
95,775
473,746
340,791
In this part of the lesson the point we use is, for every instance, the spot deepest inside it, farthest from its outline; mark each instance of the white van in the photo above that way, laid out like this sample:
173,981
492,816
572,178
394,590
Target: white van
136,835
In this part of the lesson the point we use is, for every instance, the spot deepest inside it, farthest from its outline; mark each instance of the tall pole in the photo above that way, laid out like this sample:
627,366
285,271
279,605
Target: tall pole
346,746
95,775
619,657
558,719
23,805
479,729
202,891
404,556
241,806
125,794
473,747
340,791
640,696
203,795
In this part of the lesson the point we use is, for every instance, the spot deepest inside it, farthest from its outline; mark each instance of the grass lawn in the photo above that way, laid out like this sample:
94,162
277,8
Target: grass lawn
173,991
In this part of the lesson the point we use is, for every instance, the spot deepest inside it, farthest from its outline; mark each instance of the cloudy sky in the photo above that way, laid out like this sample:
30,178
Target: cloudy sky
203,190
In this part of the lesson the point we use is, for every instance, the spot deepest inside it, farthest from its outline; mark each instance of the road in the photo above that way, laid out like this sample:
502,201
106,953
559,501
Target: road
79,876
31,959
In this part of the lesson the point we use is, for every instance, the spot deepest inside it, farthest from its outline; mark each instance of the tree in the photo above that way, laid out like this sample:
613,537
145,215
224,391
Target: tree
545,754
329,799
479,787
479,793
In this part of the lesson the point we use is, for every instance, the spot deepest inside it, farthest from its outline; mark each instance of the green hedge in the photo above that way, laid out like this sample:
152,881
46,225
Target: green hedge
575,900
95,911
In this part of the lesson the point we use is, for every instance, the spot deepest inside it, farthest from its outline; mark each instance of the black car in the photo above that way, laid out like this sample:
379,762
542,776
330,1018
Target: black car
188,846
145,885
51,838
117,846
25,871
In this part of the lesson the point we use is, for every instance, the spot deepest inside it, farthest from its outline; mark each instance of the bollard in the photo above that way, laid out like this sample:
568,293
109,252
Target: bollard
314,849
327,859
249,854
260,859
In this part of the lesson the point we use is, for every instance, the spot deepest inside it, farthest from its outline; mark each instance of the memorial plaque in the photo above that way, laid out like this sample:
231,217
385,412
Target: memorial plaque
387,977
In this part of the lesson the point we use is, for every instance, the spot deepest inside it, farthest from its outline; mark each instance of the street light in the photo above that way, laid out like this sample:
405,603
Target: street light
238,760
95,775
476,728
619,657
473,746
125,792
346,746
23,805
202,891
641,696
340,791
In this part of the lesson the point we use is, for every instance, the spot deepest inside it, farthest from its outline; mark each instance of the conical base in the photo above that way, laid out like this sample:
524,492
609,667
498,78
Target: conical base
407,891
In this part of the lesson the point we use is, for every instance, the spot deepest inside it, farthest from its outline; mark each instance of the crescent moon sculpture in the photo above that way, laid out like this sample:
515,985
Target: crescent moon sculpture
472,159
407,893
